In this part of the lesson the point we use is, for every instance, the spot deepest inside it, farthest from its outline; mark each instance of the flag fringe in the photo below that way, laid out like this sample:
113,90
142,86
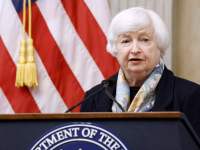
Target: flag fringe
26,74
30,66
21,65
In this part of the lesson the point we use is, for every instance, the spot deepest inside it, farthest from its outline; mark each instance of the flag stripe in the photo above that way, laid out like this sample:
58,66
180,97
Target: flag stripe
101,13
5,107
54,62
45,95
20,99
91,34
71,52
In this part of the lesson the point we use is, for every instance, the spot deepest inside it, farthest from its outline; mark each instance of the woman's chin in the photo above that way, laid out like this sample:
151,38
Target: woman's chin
136,70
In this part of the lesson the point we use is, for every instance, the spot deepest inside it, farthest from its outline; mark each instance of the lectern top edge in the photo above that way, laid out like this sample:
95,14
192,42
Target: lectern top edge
92,115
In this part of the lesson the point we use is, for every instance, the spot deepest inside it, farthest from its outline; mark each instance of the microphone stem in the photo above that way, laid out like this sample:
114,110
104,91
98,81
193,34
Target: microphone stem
114,100
73,107
82,101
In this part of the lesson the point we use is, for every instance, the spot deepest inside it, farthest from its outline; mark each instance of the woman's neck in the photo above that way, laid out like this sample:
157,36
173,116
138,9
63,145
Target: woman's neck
135,80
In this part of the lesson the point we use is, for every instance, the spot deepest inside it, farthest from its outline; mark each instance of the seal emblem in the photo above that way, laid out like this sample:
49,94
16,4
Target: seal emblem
79,136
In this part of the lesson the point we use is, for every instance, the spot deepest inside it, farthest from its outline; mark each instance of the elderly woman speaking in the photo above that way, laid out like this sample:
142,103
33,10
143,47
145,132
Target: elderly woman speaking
138,38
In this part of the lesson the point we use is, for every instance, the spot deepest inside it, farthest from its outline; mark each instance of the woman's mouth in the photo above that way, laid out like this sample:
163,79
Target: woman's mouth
135,59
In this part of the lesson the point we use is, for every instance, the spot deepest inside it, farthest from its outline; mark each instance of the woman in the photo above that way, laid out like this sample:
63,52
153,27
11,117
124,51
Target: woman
138,38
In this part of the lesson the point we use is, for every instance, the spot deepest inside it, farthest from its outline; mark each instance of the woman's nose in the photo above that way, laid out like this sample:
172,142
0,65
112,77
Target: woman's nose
135,47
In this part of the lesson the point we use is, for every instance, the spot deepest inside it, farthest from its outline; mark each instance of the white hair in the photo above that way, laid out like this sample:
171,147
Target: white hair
133,19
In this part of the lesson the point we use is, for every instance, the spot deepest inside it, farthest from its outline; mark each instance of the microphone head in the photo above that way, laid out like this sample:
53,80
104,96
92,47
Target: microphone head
107,83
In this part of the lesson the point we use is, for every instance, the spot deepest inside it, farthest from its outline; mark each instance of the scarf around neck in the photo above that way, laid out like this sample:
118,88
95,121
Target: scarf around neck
144,98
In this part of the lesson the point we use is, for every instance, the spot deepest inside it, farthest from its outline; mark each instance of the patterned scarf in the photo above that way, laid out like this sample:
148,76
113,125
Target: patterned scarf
145,97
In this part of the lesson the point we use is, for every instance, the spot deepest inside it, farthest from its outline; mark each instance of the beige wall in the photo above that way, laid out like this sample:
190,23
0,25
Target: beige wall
186,39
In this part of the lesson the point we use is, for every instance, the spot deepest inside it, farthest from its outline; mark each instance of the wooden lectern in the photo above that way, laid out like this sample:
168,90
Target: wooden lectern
131,131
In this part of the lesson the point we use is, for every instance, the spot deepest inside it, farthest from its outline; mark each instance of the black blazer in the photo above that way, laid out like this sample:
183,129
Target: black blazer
172,94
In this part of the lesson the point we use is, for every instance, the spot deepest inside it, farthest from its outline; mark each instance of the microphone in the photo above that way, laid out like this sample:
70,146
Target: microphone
114,100
105,84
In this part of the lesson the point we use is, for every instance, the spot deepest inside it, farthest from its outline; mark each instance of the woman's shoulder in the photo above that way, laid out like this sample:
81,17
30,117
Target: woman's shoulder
186,84
186,89
178,87
180,82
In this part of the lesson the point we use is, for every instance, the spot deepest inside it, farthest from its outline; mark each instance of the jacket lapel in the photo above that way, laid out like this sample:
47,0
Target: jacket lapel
164,92
112,90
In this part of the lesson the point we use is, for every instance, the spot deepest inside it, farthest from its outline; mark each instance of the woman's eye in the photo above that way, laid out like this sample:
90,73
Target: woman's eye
145,39
125,41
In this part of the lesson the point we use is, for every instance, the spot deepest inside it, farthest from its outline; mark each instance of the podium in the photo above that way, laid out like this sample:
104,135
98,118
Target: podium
98,131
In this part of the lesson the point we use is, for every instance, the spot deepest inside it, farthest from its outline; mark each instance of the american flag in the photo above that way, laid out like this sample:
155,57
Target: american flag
70,53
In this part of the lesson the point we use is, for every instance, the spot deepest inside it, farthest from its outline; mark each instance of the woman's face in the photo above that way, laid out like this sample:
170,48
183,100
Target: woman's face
137,53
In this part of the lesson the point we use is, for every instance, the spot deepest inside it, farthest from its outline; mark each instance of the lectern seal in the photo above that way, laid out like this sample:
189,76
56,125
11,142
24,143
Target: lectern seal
79,136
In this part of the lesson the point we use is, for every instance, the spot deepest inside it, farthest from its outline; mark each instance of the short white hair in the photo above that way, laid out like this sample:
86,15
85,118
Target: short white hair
133,19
